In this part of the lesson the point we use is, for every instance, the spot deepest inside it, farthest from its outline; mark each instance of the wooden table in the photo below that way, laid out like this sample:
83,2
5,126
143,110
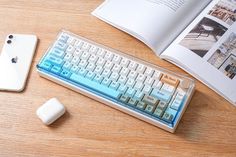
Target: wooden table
89,128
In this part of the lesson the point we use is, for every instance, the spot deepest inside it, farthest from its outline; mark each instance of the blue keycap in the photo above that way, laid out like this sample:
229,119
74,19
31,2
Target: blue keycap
114,85
82,72
54,60
176,104
95,86
106,82
45,65
138,95
56,69
169,115
90,75
130,92
161,95
154,92
98,78
65,73
122,88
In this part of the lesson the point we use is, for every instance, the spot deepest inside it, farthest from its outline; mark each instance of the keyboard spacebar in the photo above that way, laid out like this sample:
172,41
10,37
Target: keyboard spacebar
95,86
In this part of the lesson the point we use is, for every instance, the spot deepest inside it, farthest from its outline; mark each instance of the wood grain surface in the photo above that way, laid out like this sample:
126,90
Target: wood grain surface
89,128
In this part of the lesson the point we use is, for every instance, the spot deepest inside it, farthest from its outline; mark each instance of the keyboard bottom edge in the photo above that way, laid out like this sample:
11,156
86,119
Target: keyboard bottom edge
112,104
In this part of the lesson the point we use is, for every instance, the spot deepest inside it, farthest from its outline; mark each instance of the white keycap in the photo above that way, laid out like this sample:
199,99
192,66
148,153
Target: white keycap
75,60
141,68
100,52
122,79
83,63
82,72
68,57
114,76
116,59
122,88
80,45
130,82
71,41
86,46
147,89
149,71
139,86
180,94
78,52
90,67
157,75
141,78
157,84
108,65
108,56
74,68
124,62
93,49
70,49
90,75
98,70
149,80
98,78
168,88
100,61
67,65
106,73
124,71
85,55
133,74
77,43
132,65
116,68
93,58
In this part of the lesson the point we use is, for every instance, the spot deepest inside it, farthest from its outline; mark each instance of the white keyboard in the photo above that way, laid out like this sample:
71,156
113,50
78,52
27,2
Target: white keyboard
126,83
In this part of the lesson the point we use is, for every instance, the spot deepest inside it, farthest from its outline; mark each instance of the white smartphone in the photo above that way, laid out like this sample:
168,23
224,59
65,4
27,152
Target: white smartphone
15,61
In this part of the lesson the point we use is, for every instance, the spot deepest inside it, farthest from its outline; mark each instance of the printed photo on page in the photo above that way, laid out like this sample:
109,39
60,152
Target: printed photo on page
206,34
207,48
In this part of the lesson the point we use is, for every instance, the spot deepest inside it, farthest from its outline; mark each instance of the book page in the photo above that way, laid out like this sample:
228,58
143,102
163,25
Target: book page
207,48
155,22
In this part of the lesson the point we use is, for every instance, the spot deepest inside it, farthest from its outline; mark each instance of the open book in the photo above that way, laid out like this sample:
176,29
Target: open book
199,36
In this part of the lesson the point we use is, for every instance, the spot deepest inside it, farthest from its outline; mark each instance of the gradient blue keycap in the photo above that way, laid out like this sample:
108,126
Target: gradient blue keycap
65,73
138,95
56,69
130,92
154,92
46,65
54,60
169,115
161,95
176,104
114,85
95,86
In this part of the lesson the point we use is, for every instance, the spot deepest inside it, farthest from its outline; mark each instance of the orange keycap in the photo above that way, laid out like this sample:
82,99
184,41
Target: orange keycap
170,80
